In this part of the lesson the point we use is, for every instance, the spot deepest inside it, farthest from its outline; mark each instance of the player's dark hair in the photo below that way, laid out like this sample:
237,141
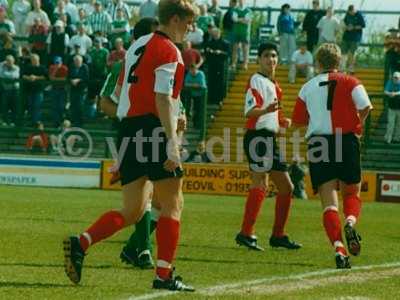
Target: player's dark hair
267,46
144,26
170,8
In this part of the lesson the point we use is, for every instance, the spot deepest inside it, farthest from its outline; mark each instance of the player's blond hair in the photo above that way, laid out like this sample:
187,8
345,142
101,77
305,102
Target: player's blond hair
169,8
328,56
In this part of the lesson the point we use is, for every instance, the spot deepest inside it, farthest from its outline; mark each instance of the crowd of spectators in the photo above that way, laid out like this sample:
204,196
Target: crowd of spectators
62,51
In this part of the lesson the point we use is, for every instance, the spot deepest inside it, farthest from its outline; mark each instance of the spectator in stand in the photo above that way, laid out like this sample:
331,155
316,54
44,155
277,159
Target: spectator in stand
301,63
216,53
58,73
20,10
98,69
241,17
88,7
392,91
60,9
37,39
78,78
9,86
102,38
4,4
81,39
392,52
354,24
48,7
227,22
33,76
38,140
199,155
64,139
83,20
310,25
58,41
204,19
100,20
115,6
216,12
120,27
7,46
6,25
191,56
195,36
195,84
72,11
148,9
37,12
328,27
69,28
25,59
118,54
286,30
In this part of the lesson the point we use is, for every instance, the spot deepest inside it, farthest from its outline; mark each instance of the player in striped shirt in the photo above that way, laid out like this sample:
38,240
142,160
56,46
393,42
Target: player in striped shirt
264,119
334,107
151,81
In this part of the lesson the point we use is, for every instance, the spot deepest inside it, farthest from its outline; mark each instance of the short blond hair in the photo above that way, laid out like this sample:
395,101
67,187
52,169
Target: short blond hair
328,56
181,8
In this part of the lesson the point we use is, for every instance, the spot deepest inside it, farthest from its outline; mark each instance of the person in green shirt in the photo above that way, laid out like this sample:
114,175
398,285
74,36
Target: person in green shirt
98,68
241,17
204,20
120,27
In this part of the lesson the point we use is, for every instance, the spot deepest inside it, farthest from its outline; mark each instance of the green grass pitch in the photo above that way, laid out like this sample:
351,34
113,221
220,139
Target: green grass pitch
35,220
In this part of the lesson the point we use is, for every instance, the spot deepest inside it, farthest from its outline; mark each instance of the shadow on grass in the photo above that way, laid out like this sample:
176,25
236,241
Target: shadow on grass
52,220
246,262
44,265
37,285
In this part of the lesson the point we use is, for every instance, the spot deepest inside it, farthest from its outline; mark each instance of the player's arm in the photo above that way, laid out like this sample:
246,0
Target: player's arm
300,116
361,101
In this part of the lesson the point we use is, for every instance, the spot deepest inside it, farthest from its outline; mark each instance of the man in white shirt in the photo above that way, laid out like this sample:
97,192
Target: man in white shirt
148,9
36,13
72,10
81,39
20,10
302,62
328,27
195,36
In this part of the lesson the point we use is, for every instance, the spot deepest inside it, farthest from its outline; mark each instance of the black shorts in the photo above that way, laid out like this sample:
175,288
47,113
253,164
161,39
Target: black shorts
262,151
143,157
342,162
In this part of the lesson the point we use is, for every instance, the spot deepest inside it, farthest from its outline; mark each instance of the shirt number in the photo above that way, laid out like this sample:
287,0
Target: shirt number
331,92
132,78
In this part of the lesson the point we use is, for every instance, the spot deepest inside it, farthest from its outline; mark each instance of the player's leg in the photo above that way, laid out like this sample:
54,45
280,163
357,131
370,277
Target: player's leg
282,208
351,210
167,233
331,221
254,201
105,226
137,250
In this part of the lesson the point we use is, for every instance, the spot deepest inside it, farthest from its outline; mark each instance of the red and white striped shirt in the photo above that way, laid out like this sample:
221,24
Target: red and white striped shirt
153,64
260,93
330,102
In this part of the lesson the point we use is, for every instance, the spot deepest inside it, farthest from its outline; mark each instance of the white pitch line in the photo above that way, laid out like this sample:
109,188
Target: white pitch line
213,290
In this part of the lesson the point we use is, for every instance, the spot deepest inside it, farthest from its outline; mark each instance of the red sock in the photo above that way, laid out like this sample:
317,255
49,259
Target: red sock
255,198
333,229
352,208
167,235
282,208
108,224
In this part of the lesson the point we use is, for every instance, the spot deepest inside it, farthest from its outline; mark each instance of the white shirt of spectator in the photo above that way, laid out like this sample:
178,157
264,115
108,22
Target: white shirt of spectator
72,10
328,28
148,9
20,10
32,15
316,97
10,25
266,89
84,41
195,37
299,58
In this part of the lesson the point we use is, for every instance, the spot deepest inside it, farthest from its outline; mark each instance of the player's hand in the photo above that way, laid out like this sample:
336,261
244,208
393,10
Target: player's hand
274,106
286,123
174,156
